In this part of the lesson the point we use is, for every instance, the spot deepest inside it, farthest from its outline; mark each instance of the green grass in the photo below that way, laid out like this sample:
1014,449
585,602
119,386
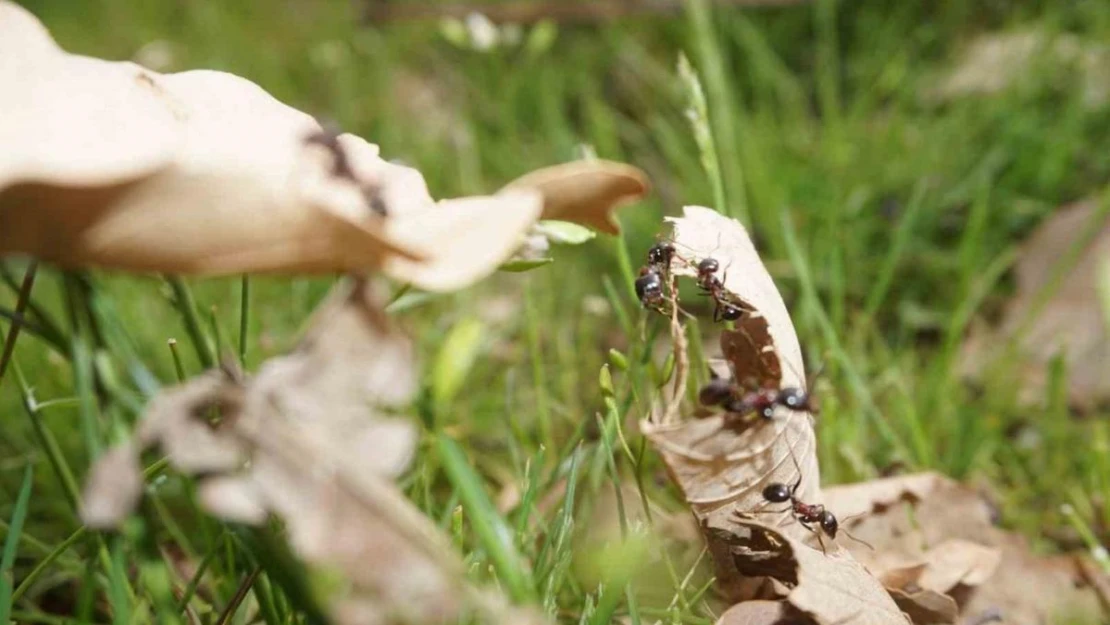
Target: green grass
889,224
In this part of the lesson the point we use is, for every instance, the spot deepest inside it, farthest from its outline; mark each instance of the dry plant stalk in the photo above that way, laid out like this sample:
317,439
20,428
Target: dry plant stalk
722,465
108,164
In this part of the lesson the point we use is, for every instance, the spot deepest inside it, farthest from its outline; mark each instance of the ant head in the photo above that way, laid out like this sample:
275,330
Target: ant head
708,266
661,253
778,493
715,392
730,312
829,523
793,398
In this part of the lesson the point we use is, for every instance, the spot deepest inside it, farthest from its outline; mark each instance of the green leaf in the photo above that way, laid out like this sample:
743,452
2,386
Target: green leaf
564,232
455,358
521,265
11,545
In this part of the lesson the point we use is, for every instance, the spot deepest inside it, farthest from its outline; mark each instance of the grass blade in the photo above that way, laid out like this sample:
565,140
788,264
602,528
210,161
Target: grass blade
17,321
493,533
11,545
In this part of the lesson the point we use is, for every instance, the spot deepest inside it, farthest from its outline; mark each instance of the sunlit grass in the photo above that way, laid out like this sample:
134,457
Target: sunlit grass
888,222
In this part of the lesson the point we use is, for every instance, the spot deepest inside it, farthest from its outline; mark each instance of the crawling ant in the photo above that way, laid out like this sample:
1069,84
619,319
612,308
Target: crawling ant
660,255
724,306
805,513
720,392
341,167
649,287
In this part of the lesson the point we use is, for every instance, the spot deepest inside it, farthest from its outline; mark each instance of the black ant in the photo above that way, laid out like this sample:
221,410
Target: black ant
341,167
660,255
805,513
721,392
649,287
725,308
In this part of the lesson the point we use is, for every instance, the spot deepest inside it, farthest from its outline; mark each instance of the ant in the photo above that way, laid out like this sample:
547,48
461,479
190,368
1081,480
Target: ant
805,513
725,308
660,255
341,167
720,392
649,287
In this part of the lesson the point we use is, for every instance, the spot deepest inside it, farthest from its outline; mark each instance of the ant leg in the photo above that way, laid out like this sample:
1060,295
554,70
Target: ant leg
817,533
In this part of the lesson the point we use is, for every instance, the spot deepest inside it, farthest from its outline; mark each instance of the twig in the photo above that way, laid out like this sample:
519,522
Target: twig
681,357
17,320
527,12
240,594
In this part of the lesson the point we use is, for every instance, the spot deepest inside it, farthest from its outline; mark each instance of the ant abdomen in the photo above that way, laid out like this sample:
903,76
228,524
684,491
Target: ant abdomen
777,493
715,393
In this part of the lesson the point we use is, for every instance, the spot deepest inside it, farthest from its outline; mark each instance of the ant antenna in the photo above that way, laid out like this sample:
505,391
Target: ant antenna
849,534
858,540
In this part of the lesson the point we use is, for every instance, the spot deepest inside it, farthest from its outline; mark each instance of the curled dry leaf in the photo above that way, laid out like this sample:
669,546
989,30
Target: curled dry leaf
306,440
585,192
722,465
112,165
934,536
1071,323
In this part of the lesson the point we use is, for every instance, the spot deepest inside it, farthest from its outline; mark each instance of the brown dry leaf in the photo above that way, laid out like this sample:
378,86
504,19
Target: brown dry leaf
762,612
996,61
947,529
722,467
118,478
112,165
1071,322
306,440
585,192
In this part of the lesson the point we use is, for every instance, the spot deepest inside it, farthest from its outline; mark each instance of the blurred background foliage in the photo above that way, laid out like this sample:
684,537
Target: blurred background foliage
887,204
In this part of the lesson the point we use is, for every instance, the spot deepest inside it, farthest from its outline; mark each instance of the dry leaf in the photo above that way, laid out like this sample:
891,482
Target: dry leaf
118,478
722,466
585,192
925,607
112,165
762,612
1071,322
947,529
996,61
306,440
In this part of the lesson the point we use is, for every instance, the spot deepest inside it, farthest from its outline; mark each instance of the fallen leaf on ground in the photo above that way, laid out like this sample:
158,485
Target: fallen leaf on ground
997,61
1070,323
307,439
722,463
934,535
112,165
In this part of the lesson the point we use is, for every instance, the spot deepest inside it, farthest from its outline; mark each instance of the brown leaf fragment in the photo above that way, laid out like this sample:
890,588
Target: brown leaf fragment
305,440
830,587
585,192
958,561
926,607
763,612
233,498
1071,323
948,529
112,488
